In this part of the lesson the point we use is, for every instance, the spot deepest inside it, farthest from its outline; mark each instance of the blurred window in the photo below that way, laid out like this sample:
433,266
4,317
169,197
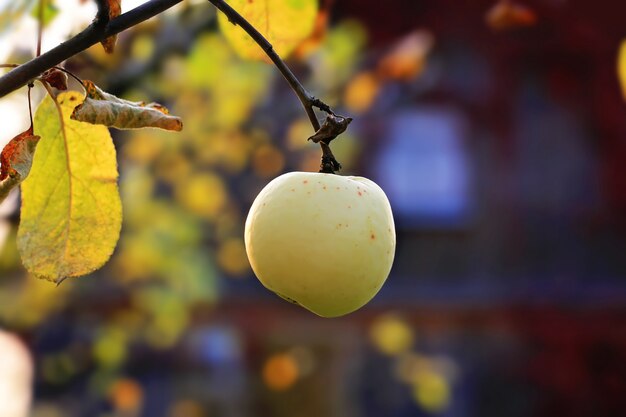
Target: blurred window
424,168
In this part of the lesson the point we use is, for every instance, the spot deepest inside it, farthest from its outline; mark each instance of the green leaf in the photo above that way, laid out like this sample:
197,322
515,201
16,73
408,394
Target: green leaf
106,109
71,211
50,11
284,23
16,160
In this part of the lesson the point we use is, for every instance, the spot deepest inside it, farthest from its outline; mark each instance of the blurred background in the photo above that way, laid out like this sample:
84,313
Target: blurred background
497,131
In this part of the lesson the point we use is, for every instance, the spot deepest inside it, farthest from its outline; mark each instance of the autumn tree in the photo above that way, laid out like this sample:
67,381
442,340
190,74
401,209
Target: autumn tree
65,161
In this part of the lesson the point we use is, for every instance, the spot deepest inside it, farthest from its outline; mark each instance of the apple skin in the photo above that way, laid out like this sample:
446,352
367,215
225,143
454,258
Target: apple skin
323,241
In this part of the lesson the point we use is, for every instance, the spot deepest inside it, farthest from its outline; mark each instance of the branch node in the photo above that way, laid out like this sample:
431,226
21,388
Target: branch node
316,102
103,16
329,164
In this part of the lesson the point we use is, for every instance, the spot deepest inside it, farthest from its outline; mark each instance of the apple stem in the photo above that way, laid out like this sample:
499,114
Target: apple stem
329,164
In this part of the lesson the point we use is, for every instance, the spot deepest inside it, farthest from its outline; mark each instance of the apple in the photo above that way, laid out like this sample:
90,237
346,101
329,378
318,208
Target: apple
323,241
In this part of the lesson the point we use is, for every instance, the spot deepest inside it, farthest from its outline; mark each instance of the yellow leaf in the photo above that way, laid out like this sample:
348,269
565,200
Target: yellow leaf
71,211
106,109
621,67
204,195
284,23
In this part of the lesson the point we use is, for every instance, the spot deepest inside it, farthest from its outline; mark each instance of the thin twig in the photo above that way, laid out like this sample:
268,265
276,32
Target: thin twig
306,98
42,4
30,108
93,34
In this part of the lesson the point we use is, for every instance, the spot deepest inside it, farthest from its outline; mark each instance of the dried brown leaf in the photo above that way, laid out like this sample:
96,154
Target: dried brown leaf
407,59
115,9
16,160
506,15
106,109
56,78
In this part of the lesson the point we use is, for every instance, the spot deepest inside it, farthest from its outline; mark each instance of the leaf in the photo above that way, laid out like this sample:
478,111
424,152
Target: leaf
332,127
284,23
71,211
50,11
115,9
56,78
506,15
407,58
16,160
621,67
106,109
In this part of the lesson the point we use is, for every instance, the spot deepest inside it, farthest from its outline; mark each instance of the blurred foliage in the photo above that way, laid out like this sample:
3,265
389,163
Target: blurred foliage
284,23
185,198
621,67
49,12
12,11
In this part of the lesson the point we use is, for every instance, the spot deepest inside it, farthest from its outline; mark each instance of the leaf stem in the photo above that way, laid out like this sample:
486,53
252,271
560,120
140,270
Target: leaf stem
30,108
307,99
42,4
71,74
67,159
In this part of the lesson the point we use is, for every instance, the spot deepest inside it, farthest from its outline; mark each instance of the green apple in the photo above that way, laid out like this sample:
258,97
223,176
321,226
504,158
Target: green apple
323,241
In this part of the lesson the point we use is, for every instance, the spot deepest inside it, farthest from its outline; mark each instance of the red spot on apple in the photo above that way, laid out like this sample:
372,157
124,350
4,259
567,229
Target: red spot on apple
305,182
360,193
373,236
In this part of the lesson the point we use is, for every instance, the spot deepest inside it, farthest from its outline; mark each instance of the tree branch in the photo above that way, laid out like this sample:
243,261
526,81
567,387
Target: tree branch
306,99
93,34
329,163
100,29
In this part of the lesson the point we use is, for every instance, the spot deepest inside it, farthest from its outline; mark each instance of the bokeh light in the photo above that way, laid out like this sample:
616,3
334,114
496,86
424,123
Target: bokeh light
391,334
280,371
16,377
431,391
